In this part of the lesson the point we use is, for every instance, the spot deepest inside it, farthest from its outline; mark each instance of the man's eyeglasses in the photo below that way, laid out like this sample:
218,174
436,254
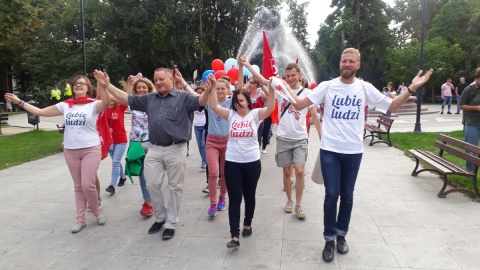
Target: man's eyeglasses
79,84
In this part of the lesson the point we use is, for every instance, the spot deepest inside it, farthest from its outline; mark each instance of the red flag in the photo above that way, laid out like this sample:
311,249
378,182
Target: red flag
269,69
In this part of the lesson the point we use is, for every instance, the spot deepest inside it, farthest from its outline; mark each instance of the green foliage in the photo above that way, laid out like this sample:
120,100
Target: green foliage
438,54
24,147
425,141
359,24
297,18
458,24
407,15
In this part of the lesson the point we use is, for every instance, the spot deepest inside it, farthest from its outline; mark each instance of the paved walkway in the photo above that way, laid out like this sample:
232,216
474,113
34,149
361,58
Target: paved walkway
397,223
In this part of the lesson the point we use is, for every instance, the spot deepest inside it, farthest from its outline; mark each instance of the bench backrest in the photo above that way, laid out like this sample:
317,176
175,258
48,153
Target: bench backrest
382,120
3,117
444,144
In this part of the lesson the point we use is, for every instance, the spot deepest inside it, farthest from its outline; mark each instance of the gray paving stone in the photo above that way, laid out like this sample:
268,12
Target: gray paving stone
370,255
138,263
32,259
429,257
408,236
395,219
82,261
193,263
304,252
397,222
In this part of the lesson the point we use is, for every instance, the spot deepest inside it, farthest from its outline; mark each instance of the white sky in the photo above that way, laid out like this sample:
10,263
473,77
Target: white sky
318,10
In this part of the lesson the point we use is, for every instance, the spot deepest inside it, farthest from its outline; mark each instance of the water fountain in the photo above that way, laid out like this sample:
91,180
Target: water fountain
285,47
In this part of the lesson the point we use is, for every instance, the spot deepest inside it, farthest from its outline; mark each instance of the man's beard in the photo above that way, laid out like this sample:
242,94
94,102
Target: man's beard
347,74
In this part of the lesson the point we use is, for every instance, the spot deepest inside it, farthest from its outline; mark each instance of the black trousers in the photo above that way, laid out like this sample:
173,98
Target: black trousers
241,180
267,123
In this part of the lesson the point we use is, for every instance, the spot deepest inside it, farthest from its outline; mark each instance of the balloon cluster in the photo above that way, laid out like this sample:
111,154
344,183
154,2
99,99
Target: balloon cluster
229,68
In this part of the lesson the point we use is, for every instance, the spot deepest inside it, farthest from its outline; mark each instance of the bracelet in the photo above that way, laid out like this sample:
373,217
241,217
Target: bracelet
21,103
410,91
185,86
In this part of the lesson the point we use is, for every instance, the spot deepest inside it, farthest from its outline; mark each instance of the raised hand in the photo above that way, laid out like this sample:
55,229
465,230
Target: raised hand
131,79
101,77
210,83
243,60
420,80
12,97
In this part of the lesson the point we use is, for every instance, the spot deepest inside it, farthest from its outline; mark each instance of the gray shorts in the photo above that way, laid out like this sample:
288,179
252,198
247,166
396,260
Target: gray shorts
291,152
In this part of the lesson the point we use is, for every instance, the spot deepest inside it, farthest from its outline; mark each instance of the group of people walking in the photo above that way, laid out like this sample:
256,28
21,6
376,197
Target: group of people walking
162,122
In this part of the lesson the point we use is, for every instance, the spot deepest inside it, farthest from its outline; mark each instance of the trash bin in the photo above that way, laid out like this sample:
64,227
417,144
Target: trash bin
32,118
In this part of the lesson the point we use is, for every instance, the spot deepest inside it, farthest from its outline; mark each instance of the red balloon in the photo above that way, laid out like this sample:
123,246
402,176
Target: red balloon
313,85
220,73
217,65
233,74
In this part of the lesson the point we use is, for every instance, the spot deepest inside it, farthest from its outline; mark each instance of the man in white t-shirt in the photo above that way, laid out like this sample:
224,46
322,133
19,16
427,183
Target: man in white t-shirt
292,139
341,147
292,136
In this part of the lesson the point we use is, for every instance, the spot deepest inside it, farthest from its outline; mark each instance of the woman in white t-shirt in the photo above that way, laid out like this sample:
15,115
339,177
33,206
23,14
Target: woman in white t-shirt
242,158
81,143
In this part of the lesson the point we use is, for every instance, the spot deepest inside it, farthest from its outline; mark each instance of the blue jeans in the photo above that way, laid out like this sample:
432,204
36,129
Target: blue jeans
339,175
116,152
200,136
143,183
472,134
459,97
447,100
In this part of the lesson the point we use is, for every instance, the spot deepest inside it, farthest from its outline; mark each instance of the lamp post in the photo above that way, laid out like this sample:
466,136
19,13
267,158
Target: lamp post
82,27
418,129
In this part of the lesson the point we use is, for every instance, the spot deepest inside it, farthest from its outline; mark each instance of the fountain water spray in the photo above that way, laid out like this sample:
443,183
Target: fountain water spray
285,47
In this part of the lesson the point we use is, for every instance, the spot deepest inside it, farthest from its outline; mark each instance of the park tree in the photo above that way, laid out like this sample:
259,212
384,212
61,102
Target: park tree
407,18
359,24
439,54
458,23
297,18
121,36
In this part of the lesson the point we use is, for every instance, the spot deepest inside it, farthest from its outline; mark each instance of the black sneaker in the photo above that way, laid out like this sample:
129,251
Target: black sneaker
247,232
122,180
110,189
441,112
328,251
156,227
449,112
342,246
233,244
168,234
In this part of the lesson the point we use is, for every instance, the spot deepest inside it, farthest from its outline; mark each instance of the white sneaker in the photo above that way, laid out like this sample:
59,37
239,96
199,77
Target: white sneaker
289,206
264,151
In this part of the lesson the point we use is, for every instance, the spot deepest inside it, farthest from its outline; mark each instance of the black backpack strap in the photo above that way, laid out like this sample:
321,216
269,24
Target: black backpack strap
288,105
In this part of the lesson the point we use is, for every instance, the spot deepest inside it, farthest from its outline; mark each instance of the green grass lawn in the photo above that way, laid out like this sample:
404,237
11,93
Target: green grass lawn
424,141
28,146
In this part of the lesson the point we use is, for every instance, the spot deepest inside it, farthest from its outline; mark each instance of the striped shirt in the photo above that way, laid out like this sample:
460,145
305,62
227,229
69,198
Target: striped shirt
170,117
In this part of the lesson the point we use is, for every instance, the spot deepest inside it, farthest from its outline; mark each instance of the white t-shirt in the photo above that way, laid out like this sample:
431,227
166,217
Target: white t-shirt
80,125
199,118
242,145
293,123
344,113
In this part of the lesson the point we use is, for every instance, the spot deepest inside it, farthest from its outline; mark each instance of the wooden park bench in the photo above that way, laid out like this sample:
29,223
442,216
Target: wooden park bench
444,167
3,120
61,128
376,131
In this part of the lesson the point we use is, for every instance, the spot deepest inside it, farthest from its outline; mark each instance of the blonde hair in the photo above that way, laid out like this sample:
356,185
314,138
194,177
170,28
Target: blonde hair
222,80
151,87
352,50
